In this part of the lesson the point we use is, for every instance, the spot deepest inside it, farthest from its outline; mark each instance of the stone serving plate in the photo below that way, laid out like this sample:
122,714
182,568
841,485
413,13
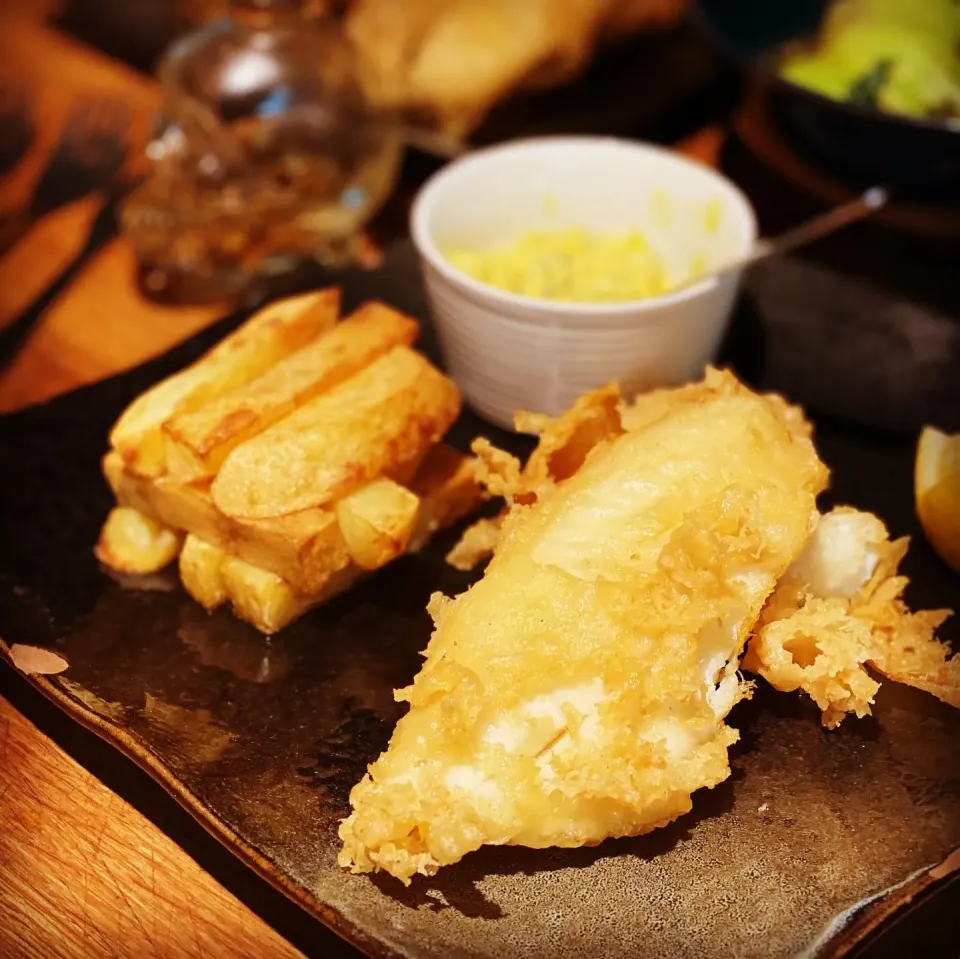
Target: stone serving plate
814,840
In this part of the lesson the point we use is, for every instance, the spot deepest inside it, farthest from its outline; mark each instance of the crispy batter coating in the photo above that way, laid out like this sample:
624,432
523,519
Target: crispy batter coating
564,444
578,690
476,543
838,611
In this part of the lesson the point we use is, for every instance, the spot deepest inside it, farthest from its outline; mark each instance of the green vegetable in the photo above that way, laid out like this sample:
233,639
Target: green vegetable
866,91
901,56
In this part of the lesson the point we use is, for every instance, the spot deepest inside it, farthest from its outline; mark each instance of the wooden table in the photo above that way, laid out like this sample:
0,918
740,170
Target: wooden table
83,872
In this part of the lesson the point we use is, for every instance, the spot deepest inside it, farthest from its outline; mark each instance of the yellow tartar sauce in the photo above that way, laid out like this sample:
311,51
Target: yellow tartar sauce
570,264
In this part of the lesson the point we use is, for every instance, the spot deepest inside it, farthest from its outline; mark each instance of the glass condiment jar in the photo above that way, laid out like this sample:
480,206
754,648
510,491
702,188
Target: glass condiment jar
268,150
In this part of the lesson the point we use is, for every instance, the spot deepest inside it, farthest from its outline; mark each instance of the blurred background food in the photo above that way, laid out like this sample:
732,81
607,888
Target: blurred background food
901,56
866,89
281,129
445,63
281,135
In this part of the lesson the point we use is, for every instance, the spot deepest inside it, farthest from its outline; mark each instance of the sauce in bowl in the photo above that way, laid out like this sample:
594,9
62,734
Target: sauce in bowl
570,264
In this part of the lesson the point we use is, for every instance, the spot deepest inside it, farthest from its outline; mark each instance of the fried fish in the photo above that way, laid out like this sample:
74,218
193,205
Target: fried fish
578,690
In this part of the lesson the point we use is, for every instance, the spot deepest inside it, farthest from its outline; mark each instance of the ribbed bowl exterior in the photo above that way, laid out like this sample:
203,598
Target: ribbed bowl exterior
507,359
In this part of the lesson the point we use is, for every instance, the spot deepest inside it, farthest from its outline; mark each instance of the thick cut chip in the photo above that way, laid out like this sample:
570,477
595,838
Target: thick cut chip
212,576
447,489
250,351
304,548
132,542
200,572
377,522
199,441
262,598
381,419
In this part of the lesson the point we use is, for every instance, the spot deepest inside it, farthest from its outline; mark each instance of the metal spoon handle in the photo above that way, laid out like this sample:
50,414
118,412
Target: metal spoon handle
805,233
823,225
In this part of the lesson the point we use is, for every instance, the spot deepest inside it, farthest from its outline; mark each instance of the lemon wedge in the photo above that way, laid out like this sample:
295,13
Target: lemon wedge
936,483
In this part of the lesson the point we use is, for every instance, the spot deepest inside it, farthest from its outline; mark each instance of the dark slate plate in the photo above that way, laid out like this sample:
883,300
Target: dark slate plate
262,740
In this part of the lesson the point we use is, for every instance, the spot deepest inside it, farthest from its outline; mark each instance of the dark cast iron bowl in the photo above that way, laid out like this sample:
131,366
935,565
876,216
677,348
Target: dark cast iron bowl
919,159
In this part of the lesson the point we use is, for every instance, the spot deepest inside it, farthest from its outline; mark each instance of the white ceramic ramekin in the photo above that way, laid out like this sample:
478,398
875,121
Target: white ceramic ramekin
509,352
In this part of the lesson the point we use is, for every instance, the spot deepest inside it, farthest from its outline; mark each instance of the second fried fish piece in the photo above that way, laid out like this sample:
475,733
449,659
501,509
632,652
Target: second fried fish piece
838,613
578,691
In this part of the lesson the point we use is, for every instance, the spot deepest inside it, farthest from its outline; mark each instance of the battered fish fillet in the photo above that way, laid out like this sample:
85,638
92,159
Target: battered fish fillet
578,690
837,611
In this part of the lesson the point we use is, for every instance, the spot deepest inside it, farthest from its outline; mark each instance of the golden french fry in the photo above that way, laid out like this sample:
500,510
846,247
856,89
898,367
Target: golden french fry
260,597
132,542
270,603
377,522
199,441
447,489
379,420
304,548
267,602
245,354
200,572
292,460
